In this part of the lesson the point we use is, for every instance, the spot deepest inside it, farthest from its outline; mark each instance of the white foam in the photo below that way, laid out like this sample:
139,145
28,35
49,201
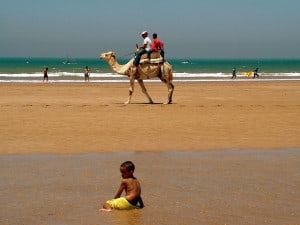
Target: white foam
69,77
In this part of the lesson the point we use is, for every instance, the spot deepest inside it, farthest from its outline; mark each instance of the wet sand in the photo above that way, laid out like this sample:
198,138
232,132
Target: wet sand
223,153
216,187
91,118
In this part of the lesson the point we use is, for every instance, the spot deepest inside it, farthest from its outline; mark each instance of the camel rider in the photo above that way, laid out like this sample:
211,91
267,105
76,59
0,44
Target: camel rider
156,46
143,48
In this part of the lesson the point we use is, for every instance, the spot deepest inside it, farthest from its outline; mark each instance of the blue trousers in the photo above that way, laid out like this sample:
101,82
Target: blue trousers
138,56
162,53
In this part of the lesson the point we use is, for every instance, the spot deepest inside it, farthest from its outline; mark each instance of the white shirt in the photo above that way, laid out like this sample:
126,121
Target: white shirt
148,43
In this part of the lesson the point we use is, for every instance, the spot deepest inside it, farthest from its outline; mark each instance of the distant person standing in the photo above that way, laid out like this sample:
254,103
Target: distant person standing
255,73
233,73
45,75
87,74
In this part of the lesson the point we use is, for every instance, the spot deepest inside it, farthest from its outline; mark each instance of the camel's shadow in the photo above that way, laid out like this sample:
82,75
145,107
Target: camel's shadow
144,103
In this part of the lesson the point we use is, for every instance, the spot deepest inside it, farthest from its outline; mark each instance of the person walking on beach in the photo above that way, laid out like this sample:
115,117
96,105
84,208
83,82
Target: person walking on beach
142,49
233,73
132,188
87,74
255,73
45,75
156,46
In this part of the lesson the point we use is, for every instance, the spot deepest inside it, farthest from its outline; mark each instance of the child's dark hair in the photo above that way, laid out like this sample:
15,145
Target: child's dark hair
128,165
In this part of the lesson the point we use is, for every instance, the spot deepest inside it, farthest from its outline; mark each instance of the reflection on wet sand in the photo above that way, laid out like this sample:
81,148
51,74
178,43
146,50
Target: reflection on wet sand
219,187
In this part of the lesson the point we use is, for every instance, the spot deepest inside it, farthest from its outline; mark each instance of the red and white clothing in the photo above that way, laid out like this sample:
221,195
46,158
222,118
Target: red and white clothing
148,43
157,45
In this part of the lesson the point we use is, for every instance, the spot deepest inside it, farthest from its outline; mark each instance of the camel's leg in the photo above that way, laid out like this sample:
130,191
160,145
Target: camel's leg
131,89
170,92
144,90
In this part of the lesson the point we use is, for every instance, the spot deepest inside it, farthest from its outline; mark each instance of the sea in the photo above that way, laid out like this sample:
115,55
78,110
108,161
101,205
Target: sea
30,70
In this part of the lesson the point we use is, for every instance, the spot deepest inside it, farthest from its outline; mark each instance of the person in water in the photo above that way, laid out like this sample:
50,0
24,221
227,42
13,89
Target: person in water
255,73
45,75
233,73
87,74
132,188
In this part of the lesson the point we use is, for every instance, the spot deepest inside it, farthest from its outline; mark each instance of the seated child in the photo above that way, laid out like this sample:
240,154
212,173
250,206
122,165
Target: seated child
132,187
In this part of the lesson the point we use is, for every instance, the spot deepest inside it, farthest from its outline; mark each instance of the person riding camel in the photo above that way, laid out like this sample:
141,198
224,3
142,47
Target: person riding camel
143,48
157,46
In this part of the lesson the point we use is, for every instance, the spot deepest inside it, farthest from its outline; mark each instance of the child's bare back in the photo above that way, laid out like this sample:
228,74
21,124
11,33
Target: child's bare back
132,189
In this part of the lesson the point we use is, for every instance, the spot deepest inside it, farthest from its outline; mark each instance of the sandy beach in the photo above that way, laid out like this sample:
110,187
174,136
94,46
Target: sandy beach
223,153
91,118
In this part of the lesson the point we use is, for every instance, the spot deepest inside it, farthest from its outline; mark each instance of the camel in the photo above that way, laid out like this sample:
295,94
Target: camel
156,67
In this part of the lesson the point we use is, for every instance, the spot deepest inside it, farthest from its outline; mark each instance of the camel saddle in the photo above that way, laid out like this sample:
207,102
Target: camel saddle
155,58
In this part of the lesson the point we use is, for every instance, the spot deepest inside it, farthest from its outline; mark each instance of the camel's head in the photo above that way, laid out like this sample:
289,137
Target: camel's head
107,55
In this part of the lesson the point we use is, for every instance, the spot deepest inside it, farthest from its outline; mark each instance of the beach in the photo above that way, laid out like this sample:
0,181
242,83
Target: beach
222,153
91,118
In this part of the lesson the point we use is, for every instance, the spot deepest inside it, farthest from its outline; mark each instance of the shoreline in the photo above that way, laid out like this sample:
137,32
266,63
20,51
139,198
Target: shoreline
118,79
165,153
88,118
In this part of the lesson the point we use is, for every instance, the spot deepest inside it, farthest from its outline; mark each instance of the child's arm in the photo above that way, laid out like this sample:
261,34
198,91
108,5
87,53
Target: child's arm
141,202
121,189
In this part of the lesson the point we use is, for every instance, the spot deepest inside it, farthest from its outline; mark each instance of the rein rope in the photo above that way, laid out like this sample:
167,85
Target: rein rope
123,56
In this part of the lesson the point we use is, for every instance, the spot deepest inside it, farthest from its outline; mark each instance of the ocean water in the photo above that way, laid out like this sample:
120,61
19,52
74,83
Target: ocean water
192,70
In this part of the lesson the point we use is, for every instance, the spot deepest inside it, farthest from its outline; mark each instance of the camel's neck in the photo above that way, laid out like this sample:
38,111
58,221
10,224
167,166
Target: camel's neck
119,69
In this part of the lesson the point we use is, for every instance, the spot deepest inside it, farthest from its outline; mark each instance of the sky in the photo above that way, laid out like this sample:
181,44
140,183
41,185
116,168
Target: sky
188,28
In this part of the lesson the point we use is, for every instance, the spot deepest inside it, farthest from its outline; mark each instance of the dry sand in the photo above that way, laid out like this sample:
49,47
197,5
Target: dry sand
212,187
91,118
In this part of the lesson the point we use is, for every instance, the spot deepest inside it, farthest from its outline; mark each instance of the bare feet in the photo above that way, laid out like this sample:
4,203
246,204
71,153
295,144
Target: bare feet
105,210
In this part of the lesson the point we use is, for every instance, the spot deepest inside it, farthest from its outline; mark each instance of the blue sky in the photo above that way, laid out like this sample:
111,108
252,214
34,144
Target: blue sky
189,29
